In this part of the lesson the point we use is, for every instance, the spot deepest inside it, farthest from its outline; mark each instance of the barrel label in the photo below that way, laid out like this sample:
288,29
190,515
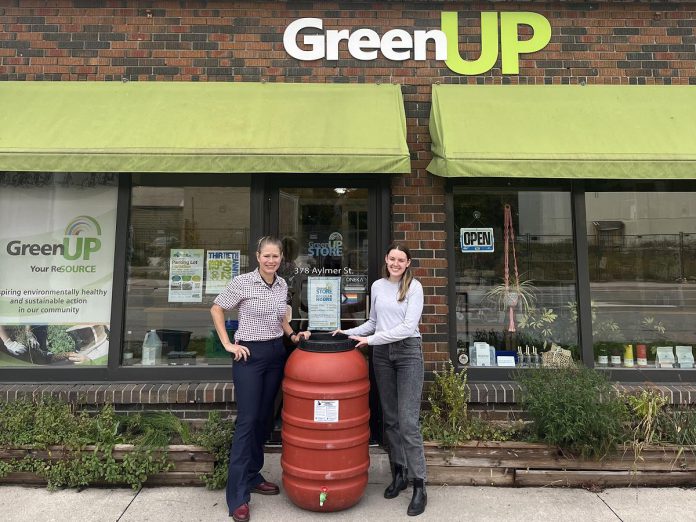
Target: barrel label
325,411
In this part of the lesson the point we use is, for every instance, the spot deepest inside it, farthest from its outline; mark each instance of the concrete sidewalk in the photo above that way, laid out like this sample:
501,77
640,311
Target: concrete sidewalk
445,503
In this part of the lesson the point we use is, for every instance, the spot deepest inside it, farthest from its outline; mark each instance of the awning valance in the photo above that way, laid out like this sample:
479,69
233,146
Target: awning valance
564,131
202,127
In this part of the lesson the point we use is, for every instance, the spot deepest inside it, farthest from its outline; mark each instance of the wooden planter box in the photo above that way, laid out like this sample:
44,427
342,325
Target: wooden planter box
528,464
189,463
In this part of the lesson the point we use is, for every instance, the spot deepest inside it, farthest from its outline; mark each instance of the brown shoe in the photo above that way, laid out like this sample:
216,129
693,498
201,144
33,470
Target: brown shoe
266,488
241,514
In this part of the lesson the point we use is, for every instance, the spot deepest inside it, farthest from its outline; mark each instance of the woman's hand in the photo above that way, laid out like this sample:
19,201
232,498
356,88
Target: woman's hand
301,335
362,341
237,350
337,331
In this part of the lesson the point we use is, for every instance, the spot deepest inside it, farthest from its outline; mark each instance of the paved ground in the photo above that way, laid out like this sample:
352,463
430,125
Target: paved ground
445,503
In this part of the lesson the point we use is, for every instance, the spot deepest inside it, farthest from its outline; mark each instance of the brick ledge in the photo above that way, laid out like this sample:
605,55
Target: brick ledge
124,393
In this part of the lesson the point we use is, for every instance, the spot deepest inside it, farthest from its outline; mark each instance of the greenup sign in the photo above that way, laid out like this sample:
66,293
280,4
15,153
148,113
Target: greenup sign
56,269
499,36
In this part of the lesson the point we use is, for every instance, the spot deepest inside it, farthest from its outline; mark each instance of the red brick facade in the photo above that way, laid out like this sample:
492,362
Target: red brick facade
606,42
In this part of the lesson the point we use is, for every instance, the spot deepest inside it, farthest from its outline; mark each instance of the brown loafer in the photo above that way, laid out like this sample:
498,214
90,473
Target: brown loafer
241,514
266,488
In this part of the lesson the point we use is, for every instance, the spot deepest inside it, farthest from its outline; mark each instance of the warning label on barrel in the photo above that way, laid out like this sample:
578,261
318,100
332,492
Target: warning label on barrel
325,411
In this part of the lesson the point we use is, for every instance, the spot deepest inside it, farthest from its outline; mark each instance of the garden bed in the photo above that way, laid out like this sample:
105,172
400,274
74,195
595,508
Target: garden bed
188,463
516,464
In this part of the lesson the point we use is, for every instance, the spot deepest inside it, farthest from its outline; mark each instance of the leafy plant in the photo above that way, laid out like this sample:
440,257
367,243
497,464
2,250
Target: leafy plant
154,430
50,422
216,436
604,328
538,324
448,396
447,420
522,295
574,408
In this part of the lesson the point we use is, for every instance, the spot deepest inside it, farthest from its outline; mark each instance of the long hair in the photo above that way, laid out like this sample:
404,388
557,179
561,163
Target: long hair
407,276
269,240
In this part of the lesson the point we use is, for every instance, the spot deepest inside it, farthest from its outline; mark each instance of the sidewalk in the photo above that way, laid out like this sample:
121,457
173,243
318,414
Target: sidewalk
445,503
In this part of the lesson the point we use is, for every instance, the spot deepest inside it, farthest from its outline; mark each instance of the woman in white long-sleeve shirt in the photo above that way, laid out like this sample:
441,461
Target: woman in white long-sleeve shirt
397,358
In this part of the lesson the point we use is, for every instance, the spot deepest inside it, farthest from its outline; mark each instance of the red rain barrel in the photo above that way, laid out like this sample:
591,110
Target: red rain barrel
325,429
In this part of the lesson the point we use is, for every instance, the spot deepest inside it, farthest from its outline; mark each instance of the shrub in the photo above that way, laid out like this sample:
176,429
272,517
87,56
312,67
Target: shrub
448,422
574,408
50,422
216,436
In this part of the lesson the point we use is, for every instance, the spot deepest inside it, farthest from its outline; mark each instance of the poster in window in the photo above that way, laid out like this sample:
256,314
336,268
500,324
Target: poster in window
324,298
186,275
56,268
220,267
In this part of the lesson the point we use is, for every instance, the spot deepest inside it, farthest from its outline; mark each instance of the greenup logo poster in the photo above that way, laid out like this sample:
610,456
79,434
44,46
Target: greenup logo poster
56,273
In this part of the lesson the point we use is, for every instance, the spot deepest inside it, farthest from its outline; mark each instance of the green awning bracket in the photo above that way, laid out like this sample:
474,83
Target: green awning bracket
202,127
564,131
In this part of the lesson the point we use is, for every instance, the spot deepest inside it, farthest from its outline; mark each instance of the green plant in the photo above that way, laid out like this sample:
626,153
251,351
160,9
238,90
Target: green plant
646,408
154,430
574,408
537,323
216,437
678,426
522,295
448,397
50,422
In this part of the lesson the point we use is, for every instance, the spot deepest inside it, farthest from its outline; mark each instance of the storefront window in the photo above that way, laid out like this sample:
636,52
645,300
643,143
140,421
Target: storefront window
536,313
185,244
642,262
324,231
56,268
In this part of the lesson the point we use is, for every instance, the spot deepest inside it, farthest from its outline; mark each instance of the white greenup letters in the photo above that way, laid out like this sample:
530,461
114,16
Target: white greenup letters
363,44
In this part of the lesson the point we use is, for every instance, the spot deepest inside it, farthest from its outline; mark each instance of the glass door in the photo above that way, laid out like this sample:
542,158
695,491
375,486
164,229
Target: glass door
325,234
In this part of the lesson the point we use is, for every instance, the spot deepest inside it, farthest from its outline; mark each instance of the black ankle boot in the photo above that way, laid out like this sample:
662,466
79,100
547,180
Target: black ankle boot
419,500
399,482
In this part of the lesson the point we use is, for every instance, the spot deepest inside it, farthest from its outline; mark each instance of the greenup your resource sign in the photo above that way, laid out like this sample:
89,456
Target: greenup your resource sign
398,44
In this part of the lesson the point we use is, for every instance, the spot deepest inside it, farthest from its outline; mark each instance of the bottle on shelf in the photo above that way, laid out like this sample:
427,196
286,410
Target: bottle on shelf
152,349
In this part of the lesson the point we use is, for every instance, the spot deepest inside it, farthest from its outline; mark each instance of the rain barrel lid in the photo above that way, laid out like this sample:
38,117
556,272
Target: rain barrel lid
324,342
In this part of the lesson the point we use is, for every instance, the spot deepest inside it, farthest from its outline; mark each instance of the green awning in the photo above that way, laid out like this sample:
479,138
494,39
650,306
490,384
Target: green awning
202,127
564,131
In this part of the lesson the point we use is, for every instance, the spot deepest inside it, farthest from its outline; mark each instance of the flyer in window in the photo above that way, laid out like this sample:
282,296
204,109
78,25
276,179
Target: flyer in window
220,267
186,275
324,300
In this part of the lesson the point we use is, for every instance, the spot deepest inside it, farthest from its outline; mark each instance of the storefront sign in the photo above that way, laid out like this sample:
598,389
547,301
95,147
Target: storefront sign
324,303
56,271
185,275
221,266
399,44
476,240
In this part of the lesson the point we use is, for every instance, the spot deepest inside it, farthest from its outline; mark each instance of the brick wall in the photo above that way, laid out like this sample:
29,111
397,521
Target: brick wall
621,42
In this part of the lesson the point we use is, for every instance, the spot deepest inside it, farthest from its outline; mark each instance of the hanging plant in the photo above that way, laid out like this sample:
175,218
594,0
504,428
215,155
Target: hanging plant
512,293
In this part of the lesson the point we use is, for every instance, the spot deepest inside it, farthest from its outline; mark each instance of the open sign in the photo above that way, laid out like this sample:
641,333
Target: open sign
477,240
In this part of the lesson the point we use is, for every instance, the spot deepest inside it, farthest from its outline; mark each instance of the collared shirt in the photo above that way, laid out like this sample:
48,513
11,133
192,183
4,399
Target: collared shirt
261,306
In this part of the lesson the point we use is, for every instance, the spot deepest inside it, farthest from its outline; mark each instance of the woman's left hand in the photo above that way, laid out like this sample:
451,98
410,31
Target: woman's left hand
362,341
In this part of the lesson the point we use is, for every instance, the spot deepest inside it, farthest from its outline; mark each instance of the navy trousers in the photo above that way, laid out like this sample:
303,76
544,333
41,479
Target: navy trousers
256,383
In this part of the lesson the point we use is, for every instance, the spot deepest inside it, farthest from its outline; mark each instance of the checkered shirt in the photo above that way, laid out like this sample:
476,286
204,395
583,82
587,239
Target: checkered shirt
261,309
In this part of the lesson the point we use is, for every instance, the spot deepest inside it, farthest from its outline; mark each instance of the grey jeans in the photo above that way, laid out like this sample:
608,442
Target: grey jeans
399,374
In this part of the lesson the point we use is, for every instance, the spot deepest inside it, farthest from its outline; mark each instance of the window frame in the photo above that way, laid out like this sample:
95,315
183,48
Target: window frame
577,190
